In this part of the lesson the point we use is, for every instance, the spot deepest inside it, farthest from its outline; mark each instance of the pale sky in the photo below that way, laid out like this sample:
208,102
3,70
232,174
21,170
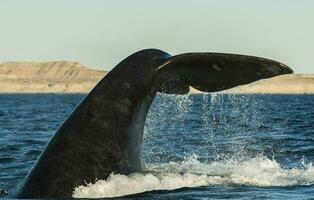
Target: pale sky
100,33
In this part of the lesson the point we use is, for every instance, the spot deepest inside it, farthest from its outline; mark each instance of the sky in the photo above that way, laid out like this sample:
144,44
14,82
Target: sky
100,33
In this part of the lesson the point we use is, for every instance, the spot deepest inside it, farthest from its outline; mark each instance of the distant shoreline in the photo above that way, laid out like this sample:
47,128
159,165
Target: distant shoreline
64,77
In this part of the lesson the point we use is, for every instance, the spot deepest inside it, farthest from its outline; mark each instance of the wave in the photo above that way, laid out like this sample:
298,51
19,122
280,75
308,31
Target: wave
259,171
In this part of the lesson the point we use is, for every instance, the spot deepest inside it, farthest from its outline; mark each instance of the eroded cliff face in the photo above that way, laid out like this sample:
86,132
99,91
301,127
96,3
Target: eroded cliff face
73,77
47,77
286,84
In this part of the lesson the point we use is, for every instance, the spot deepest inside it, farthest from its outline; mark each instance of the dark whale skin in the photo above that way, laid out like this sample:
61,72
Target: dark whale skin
104,132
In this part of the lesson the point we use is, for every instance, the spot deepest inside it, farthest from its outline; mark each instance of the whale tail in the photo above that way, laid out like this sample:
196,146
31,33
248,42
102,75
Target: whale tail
211,72
104,133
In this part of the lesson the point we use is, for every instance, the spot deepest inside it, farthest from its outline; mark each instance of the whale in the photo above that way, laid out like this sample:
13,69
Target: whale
103,134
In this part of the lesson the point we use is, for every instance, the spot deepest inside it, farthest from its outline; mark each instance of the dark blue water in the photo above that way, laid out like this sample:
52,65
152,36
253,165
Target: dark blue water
195,147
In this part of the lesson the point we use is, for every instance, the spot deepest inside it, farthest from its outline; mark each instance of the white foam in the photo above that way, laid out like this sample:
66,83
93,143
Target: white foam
259,171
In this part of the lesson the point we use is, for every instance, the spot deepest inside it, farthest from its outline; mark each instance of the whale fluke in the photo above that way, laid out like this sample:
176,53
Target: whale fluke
211,72
104,132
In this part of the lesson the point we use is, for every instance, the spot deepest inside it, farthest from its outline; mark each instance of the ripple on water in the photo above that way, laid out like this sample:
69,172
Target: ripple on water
5,160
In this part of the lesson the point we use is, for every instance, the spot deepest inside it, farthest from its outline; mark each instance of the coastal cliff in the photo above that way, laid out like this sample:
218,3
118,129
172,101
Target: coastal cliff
285,84
47,77
73,77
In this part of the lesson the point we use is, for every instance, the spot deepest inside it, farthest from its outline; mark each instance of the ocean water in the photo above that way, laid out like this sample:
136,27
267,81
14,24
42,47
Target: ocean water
201,146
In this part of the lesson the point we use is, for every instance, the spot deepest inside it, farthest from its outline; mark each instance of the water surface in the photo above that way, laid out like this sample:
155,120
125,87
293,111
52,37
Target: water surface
210,146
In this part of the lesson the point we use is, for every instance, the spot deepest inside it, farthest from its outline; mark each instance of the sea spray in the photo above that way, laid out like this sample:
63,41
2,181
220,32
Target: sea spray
222,125
259,171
